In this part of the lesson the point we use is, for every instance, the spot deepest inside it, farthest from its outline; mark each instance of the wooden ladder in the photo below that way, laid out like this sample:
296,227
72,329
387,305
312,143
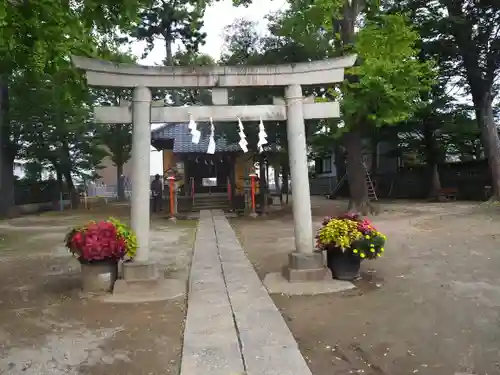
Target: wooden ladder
372,195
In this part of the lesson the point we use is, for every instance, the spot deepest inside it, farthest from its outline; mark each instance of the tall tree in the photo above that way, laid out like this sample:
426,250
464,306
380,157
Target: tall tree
465,38
386,90
61,136
36,37
384,86
117,139
174,21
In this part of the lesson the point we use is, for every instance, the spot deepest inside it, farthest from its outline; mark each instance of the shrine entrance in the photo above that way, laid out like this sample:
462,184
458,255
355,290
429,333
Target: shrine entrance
293,108
210,173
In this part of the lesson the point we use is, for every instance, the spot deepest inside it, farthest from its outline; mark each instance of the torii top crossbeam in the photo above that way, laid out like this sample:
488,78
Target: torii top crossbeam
109,74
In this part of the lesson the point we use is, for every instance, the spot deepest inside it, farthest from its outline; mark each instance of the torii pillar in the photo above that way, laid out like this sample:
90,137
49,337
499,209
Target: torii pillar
141,143
304,264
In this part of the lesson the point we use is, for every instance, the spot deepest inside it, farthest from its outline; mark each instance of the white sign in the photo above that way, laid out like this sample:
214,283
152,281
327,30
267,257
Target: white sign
209,181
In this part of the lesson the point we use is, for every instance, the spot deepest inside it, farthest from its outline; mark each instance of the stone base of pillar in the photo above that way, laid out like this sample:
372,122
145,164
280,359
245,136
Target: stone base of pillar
305,274
136,276
306,267
133,271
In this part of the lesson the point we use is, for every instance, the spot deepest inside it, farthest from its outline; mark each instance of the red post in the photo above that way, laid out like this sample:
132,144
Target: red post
171,184
229,192
253,176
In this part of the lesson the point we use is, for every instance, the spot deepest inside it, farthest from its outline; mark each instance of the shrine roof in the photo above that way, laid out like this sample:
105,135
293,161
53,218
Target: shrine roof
181,136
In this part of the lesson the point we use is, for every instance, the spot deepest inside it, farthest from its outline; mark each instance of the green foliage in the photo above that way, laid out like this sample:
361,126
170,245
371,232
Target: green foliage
33,171
390,79
193,96
52,121
117,138
464,37
177,20
38,36
125,232
243,45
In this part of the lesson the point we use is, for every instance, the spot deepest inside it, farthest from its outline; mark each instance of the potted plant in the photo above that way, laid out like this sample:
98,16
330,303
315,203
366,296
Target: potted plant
99,246
348,239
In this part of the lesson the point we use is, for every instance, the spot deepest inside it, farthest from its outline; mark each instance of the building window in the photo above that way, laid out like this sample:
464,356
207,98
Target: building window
326,165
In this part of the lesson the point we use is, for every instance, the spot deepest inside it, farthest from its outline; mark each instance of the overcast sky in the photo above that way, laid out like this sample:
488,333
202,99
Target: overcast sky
217,17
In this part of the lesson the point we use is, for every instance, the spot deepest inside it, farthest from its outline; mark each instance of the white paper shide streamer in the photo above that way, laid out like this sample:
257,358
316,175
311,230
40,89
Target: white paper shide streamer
262,136
211,140
195,133
243,138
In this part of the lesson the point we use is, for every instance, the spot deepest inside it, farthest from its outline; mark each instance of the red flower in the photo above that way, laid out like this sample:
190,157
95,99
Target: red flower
98,241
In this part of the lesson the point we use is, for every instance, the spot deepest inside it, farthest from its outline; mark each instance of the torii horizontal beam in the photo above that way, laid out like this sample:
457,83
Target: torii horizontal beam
224,113
108,74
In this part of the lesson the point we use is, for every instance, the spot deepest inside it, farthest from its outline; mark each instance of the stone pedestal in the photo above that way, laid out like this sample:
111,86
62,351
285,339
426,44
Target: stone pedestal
137,276
99,277
306,267
134,271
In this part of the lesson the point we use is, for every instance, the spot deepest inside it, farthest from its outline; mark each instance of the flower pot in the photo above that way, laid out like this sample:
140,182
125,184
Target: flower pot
344,265
99,277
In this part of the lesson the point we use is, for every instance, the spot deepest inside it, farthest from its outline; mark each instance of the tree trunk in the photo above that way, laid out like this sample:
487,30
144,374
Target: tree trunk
341,171
285,188
8,185
277,169
374,155
170,61
60,182
120,186
359,201
6,158
74,196
486,121
431,150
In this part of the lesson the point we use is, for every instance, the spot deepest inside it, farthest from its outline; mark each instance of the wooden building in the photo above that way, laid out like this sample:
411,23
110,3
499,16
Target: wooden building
203,180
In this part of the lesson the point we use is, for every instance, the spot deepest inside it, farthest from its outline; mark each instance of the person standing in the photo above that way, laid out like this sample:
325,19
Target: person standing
156,191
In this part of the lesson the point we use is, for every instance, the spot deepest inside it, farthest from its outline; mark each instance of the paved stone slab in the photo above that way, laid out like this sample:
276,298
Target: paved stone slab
268,346
211,344
276,283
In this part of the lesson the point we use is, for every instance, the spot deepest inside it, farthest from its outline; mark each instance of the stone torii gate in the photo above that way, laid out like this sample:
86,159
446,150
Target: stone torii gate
304,263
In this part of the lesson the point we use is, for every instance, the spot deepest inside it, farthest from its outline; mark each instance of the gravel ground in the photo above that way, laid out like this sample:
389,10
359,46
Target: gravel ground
430,306
48,328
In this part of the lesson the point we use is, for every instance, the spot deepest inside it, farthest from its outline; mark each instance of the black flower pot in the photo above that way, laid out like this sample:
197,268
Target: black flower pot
344,265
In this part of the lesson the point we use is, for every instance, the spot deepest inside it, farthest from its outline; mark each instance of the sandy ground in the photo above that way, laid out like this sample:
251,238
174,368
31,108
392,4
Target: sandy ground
430,306
48,328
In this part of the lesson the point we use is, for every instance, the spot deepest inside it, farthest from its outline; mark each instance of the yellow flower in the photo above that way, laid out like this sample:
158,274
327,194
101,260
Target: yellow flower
372,250
379,255
355,251
362,255
381,249
367,237
372,245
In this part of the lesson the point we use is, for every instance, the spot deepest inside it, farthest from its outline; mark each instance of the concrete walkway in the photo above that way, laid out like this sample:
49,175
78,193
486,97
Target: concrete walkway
232,325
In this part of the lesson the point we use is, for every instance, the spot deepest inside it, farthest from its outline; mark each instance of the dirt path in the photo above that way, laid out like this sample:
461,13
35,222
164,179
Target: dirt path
48,328
430,306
